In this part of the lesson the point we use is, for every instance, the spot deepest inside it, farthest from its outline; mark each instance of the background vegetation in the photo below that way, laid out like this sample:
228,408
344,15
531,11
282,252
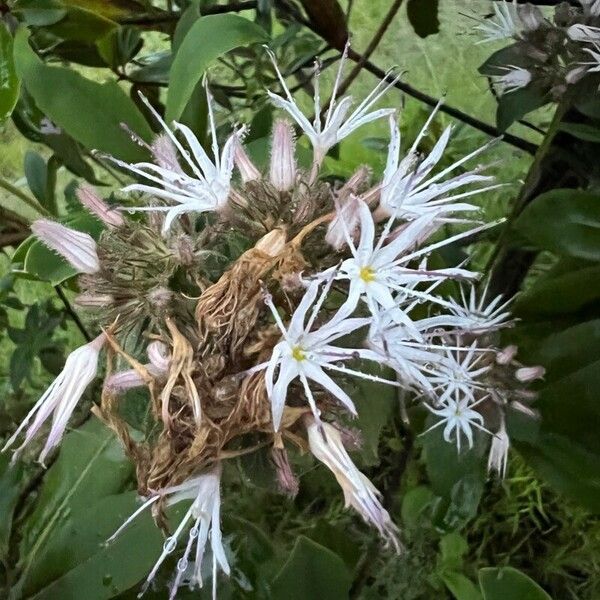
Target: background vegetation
460,528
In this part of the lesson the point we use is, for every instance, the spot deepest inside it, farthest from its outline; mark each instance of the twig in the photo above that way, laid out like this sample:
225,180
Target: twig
171,17
71,312
13,189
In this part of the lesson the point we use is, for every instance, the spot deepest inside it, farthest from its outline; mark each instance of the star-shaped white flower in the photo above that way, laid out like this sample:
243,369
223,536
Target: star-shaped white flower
504,24
305,354
512,80
338,123
204,188
408,190
458,416
377,271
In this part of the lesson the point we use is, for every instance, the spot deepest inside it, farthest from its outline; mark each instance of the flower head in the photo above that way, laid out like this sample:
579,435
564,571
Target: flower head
513,79
338,124
205,517
326,445
205,188
408,189
306,352
504,24
76,247
61,398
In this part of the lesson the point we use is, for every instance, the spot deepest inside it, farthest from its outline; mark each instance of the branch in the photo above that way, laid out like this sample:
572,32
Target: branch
171,17
71,312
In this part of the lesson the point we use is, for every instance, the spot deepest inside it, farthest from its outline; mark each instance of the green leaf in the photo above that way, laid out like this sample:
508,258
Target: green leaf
461,587
566,222
565,293
583,131
508,583
207,39
515,105
90,112
91,466
414,503
40,13
77,563
10,488
310,572
453,547
9,81
423,16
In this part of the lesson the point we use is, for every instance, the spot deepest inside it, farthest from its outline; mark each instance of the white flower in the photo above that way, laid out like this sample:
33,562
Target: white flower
591,7
504,23
376,271
304,353
514,79
61,398
282,173
498,456
592,66
459,417
584,33
458,374
326,445
475,316
338,124
205,189
78,248
204,514
408,191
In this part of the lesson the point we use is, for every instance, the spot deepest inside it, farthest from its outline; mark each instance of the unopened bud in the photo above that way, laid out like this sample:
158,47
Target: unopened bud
159,355
245,166
94,300
525,374
90,199
506,356
165,154
288,482
283,161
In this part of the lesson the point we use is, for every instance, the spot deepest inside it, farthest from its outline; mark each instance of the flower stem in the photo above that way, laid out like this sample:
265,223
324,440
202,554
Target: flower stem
9,187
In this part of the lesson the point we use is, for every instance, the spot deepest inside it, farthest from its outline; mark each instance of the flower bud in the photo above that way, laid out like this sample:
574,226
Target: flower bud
78,248
526,374
498,456
94,300
283,162
345,223
159,356
506,356
288,482
245,166
90,199
165,154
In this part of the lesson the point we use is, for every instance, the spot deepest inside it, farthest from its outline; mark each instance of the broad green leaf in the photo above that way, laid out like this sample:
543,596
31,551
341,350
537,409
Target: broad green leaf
9,81
80,25
111,9
460,586
10,487
40,13
76,562
90,112
91,465
566,222
207,39
453,547
565,293
583,131
566,466
310,572
423,16
414,503
509,584
515,105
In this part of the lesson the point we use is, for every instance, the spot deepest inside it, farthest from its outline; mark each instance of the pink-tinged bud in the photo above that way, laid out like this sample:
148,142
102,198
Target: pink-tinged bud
345,224
283,161
122,381
523,408
326,445
76,247
94,300
165,154
507,355
61,398
159,356
287,481
90,199
245,166
530,373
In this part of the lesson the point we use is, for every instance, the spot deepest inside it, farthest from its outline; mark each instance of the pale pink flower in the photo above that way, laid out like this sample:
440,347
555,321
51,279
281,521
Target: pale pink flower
91,200
76,247
61,398
326,445
498,457
244,164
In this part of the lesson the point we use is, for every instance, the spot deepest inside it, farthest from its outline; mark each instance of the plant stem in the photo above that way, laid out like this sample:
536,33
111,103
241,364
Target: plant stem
71,312
9,187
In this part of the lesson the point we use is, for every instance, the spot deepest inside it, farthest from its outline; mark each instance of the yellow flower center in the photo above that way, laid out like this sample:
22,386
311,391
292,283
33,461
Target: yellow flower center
298,353
367,274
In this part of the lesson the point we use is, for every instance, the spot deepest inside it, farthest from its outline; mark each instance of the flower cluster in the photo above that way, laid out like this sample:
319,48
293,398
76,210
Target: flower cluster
548,56
260,295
